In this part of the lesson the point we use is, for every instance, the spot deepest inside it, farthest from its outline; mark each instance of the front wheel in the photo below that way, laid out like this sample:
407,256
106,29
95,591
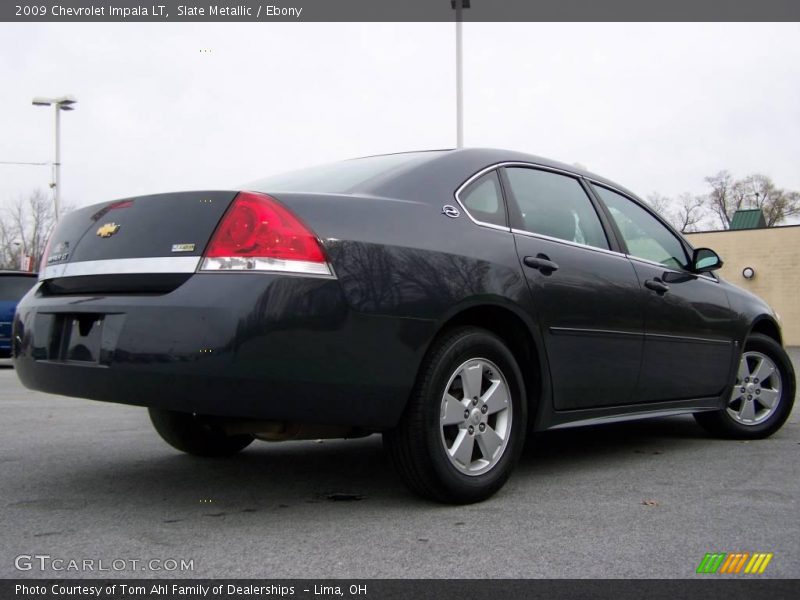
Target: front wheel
196,434
464,427
762,394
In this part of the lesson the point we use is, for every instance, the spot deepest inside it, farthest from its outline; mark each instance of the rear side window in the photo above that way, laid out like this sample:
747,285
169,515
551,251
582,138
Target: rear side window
483,199
645,236
14,287
556,206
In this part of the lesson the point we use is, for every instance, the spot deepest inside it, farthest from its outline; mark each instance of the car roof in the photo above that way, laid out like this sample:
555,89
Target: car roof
23,273
495,155
447,169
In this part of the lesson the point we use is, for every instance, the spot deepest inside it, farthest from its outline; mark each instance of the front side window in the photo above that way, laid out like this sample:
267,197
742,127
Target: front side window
556,206
645,236
483,198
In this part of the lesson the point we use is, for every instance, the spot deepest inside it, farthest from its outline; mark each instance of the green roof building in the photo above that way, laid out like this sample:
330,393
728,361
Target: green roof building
751,218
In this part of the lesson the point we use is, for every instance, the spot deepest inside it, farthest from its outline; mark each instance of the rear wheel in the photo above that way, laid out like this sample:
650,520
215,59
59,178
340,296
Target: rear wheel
762,395
196,434
464,426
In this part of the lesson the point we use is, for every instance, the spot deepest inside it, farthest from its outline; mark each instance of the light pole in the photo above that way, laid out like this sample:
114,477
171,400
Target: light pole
63,103
19,255
459,5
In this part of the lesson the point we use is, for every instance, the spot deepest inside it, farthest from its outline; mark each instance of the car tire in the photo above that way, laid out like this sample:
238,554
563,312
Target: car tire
756,407
196,434
464,426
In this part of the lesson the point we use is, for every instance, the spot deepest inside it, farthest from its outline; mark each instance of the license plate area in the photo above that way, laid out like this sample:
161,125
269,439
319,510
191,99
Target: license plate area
77,338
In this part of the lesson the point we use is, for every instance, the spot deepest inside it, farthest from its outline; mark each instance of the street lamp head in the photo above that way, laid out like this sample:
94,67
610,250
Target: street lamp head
64,103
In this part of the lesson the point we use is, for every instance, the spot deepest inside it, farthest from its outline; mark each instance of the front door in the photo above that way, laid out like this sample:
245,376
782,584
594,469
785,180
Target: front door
689,327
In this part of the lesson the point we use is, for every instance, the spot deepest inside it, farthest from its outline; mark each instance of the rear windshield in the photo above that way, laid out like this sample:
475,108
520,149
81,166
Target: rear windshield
341,177
14,287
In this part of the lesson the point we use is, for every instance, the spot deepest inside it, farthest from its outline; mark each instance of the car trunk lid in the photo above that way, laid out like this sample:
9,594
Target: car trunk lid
148,244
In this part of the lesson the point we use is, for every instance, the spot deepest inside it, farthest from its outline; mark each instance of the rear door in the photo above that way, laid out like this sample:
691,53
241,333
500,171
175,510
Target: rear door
585,293
690,327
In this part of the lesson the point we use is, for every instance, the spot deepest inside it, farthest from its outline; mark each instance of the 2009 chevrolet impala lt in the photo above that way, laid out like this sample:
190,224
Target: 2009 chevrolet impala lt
452,300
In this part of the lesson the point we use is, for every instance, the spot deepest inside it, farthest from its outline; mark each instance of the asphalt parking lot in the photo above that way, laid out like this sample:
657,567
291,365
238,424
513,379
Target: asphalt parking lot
86,480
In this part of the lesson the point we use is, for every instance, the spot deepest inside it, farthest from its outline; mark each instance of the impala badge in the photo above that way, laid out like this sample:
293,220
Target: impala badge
450,211
108,230
183,247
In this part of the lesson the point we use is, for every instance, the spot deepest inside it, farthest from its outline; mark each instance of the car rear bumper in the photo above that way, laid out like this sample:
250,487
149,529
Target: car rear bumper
230,344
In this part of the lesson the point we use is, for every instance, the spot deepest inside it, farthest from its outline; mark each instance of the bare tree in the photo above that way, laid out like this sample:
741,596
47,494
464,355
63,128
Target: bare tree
660,204
721,197
684,214
24,227
775,203
9,245
690,212
754,191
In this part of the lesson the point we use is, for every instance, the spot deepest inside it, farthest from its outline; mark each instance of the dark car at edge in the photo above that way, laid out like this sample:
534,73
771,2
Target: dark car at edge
455,301
13,286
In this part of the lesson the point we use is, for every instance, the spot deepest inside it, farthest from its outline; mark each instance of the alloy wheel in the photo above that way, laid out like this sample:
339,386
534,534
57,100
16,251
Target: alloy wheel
757,392
475,416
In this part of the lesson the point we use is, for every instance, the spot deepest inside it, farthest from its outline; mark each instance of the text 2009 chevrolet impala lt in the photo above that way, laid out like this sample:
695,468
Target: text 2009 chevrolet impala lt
452,300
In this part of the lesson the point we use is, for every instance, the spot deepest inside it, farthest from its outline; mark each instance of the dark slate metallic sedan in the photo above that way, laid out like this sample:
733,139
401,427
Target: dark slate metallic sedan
454,301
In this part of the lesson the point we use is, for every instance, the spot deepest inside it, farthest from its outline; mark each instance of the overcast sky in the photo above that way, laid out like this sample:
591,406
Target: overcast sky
656,107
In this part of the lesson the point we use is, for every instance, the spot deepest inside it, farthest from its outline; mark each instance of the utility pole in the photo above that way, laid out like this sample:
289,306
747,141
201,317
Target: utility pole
459,6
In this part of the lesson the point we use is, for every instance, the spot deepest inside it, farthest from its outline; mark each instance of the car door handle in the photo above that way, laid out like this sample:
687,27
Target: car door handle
656,285
540,262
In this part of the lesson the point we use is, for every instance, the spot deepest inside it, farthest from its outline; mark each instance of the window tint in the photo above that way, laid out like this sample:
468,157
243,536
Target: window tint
645,236
555,205
14,287
483,199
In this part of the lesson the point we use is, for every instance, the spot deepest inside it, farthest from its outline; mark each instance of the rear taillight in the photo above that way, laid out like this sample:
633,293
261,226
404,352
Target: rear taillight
260,234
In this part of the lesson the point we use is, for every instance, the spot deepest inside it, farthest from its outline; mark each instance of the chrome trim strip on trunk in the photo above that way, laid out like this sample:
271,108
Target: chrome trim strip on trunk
230,264
124,266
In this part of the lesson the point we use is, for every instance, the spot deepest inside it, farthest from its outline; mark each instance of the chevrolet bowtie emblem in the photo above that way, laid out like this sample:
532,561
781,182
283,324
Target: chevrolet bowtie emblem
108,230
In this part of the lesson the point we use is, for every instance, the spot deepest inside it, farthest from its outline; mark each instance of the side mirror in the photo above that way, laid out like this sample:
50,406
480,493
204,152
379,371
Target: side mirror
705,260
